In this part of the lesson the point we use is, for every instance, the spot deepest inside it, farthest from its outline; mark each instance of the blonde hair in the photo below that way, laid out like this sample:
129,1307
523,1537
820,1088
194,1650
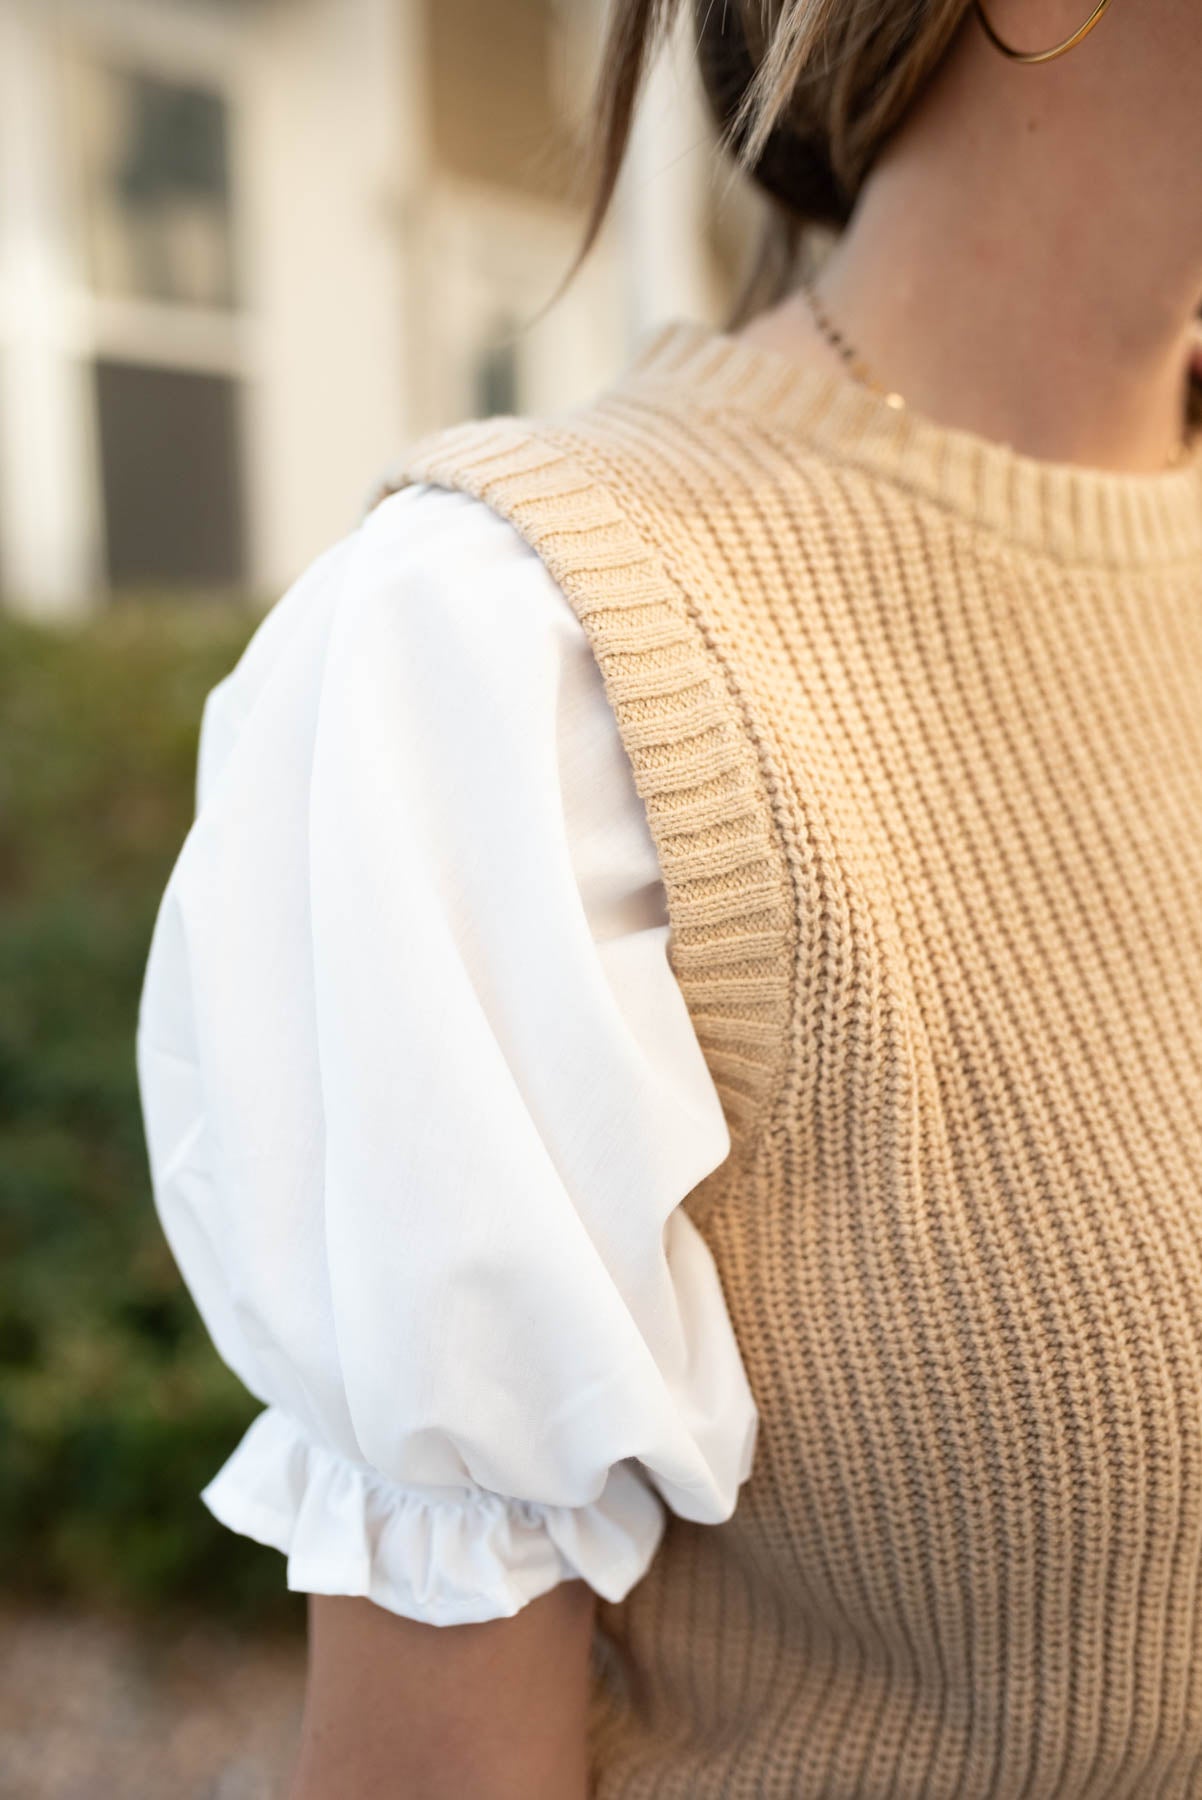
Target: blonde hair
804,94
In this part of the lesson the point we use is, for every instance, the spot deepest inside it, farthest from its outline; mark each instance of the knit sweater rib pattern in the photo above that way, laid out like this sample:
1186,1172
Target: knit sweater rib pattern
917,722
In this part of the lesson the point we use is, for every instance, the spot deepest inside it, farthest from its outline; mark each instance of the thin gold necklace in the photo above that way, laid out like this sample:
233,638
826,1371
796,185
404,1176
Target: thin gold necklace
860,370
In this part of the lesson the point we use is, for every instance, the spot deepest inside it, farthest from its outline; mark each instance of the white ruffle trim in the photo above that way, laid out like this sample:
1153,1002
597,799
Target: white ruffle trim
445,1556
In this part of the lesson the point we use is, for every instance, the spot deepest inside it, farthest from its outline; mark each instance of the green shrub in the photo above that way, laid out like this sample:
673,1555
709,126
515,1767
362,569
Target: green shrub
114,1408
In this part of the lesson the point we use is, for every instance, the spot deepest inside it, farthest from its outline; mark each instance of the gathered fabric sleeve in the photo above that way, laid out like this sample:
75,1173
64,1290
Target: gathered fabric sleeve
422,1096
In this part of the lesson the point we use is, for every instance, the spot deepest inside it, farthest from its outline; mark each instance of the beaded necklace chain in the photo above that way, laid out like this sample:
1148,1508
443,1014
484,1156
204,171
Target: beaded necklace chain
860,370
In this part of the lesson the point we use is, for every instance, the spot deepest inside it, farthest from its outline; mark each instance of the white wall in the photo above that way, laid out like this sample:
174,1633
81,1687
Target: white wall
332,146
663,192
49,532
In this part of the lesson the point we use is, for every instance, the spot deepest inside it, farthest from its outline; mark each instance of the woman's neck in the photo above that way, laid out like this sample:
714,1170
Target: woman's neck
1025,257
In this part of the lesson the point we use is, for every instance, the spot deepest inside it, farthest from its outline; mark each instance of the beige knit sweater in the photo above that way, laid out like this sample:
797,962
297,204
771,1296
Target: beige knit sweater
918,724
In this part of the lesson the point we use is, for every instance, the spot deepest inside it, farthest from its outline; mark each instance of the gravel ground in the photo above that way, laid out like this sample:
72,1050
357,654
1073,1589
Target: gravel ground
100,1709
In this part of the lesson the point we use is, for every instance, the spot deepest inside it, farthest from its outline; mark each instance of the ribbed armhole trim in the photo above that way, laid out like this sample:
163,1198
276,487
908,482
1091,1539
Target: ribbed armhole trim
696,764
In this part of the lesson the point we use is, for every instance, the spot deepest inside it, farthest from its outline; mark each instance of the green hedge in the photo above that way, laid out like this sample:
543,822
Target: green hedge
114,1408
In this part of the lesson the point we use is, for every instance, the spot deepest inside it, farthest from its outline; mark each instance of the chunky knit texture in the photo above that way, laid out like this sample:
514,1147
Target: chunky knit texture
918,725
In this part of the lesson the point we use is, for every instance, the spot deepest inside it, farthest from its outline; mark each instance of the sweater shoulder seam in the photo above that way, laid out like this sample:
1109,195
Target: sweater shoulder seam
699,766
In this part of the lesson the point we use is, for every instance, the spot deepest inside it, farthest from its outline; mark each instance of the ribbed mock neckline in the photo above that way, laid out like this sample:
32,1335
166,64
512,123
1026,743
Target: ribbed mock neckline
1068,510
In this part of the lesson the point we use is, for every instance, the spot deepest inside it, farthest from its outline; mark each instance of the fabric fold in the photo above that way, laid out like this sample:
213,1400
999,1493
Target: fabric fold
424,1098
446,1556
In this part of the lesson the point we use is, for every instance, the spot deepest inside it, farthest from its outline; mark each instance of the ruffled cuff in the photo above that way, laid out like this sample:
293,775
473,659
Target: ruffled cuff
448,1557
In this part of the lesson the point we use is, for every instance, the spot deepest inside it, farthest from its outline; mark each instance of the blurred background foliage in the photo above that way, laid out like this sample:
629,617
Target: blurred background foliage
114,1408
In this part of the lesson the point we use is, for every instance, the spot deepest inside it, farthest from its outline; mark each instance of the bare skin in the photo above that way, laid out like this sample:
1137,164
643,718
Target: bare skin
1050,219
399,1710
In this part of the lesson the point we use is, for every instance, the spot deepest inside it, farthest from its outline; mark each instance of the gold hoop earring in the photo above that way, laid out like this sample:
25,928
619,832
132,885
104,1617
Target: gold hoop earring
1040,56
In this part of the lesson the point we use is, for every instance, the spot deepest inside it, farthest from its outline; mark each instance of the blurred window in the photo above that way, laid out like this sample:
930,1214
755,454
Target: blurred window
496,379
156,187
172,479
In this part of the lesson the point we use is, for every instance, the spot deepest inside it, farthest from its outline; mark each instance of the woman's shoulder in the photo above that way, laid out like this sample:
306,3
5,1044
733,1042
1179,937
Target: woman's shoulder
446,557
431,583
430,553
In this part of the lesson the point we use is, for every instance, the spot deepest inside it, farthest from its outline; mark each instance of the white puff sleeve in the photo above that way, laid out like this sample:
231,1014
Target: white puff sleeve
422,1096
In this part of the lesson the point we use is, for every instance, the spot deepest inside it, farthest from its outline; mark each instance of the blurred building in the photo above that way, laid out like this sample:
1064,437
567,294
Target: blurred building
249,248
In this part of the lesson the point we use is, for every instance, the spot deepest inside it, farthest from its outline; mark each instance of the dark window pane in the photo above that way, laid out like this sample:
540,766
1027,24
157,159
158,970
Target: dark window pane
156,187
496,378
172,476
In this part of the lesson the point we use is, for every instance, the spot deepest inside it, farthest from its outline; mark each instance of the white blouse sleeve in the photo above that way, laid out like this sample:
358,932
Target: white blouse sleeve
422,1095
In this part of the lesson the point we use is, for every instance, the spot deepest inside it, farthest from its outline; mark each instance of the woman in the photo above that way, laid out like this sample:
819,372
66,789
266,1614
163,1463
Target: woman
673,1051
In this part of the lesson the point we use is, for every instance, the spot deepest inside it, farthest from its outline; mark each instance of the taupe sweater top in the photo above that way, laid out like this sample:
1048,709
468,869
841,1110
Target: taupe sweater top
917,721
